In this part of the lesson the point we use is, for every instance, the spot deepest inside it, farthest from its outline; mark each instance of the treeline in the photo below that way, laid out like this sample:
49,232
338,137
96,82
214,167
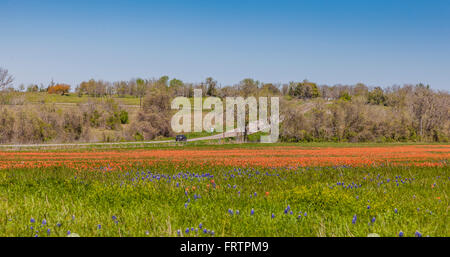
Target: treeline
408,113
47,123
310,112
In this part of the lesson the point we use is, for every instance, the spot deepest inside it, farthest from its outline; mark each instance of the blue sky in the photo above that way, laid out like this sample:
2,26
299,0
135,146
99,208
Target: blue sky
375,42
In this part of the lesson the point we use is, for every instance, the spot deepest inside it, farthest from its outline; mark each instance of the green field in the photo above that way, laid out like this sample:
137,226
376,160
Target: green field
144,202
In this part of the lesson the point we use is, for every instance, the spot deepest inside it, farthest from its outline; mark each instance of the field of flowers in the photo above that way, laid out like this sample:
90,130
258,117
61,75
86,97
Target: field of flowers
263,191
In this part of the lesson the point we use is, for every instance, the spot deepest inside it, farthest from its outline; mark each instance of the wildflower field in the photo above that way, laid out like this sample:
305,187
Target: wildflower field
281,190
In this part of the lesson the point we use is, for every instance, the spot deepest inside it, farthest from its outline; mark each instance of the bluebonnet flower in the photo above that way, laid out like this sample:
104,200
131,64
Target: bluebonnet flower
291,213
401,234
418,234
187,231
44,222
205,230
252,212
178,184
212,232
354,219
273,215
192,229
373,219
237,212
368,207
200,225
36,235
395,210
255,194
114,217
299,216
48,231
185,205
99,226
68,232
58,224
147,233
32,220
230,211
178,232
305,214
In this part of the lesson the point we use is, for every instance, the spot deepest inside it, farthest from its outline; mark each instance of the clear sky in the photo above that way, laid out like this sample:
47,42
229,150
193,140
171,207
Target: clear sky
330,42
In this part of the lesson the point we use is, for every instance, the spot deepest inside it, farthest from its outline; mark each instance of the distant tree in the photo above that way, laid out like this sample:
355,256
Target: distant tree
248,86
177,87
211,86
140,85
162,82
377,96
6,79
59,89
270,89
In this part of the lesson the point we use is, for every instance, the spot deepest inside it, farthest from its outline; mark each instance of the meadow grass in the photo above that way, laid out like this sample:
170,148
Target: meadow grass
166,199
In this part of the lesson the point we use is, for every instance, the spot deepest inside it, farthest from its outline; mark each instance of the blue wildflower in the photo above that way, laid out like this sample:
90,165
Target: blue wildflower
32,220
354,219
252,212
418,234
273,215
401,234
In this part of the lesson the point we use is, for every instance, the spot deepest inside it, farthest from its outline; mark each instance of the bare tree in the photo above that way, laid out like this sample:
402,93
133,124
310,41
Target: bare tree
5,79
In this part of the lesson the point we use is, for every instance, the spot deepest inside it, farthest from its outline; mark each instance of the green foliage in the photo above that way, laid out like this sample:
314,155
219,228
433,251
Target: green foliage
345,96
377,96
123,116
